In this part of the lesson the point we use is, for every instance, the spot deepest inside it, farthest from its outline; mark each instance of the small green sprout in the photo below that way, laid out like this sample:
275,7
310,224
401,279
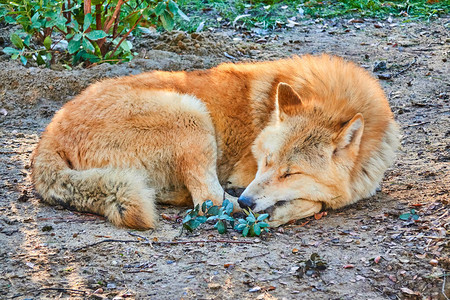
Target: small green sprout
411,215
253,224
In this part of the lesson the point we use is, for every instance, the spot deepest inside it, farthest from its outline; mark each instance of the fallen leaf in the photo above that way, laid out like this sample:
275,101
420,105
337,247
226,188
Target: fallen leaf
303,224
409,291
229,265
377,259
168,217
318,216
434,262
268,288
295,250
349,266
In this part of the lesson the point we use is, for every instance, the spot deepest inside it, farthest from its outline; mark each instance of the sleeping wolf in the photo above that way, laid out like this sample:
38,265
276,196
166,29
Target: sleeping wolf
298,133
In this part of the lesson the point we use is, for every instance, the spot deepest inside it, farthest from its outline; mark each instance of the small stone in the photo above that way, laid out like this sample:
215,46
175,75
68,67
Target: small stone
214,286
434,262
111,286
254,289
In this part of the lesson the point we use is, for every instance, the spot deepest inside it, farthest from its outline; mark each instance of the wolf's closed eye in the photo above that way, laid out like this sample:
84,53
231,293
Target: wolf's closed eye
286,175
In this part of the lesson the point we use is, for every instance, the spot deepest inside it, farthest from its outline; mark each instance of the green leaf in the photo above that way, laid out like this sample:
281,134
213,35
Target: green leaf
228,205
74,46
35,23
405,216
48,42
35,17
173,7
10,51
187,218
74,25
251,218
245,231
194,223
49,57
188,226
160,8
213,210
96,35
257,229
87,22
263,224
24,60
17,41
221,228
229,218
77,56
77,37
167,21
10,20
212,218
87,45
126,46
240,227
206,205
242,221
201,219
262,217
40,60
26,40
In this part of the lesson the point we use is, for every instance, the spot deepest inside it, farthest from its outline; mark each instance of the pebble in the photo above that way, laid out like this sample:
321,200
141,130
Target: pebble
111,286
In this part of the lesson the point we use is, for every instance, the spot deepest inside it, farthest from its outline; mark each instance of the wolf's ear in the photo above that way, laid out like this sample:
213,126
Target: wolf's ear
287,101
351,133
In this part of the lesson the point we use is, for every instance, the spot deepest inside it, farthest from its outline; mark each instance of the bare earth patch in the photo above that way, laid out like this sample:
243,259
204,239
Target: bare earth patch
370,252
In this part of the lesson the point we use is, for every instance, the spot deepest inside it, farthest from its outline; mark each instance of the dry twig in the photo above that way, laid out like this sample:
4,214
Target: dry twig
162,242
73,291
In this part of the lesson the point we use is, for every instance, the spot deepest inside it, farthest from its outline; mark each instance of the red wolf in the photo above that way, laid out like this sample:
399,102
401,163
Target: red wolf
298,133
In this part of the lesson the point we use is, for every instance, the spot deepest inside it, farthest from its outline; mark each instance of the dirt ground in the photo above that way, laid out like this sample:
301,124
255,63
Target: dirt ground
370,252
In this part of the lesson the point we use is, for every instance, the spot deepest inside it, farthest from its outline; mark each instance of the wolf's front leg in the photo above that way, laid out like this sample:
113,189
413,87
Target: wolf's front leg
200,178
205,186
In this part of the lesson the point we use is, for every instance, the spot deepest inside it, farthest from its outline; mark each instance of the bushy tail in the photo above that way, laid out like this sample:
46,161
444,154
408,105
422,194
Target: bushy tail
121,195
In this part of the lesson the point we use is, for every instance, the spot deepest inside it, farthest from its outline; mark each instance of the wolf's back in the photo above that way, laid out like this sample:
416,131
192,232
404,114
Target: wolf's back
121,195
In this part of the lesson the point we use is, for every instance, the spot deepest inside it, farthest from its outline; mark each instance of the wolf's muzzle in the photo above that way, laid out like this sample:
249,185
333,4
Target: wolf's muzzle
246,202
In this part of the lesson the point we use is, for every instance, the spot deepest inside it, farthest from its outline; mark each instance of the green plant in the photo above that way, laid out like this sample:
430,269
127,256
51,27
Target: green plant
409,216
311,266
211,212
95,30
270,14
251,226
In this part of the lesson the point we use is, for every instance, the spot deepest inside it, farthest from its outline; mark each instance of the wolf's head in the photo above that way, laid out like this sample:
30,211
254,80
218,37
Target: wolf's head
304,157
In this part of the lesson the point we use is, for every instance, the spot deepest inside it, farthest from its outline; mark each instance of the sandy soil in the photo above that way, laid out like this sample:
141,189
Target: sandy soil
369,251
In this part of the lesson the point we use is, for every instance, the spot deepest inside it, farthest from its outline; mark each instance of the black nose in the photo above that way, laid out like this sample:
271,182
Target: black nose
246,202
